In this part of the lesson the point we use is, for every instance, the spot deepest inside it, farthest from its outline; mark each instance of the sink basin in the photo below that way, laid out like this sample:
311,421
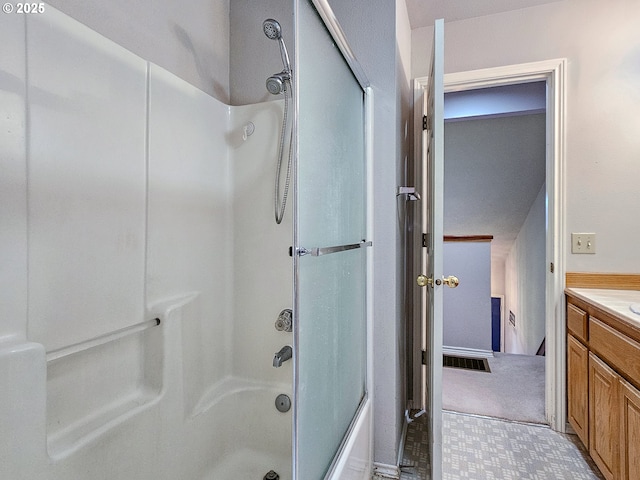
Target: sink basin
635,308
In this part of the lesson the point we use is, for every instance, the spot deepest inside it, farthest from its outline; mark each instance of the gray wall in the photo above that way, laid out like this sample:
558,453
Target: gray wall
601,43
493,171
467,308
254,57
494,168
190,39
525,283
383,52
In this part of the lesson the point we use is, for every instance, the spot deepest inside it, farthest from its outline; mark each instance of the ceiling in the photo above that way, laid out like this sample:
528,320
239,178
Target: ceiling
423,13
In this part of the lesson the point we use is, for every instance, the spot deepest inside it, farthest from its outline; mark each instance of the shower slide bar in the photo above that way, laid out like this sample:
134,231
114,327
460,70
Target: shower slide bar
318,251
101,339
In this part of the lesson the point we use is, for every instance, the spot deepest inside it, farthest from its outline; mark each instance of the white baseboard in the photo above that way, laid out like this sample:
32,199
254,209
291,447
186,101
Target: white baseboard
467,352
383,471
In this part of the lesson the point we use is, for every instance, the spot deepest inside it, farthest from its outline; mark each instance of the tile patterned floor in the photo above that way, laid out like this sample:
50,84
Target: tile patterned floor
482,448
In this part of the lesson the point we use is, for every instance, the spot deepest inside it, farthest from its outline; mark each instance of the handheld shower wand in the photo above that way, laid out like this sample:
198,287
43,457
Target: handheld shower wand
276,84
273,31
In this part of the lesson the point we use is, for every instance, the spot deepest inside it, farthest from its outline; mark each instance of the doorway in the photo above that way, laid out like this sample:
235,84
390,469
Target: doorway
494,227
552,73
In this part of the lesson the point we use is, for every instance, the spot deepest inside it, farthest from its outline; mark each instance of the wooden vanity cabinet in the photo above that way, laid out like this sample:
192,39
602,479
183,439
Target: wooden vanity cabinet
577,322
578,387
603,398
629,431
604,414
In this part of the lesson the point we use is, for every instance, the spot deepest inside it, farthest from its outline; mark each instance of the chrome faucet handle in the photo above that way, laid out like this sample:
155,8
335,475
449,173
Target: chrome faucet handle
284,323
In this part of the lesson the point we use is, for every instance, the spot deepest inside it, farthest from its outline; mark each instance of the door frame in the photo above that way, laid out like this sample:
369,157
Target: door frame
553,72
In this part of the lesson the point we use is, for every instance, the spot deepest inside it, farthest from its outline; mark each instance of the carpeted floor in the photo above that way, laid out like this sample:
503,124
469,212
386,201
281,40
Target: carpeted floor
481,448
514,390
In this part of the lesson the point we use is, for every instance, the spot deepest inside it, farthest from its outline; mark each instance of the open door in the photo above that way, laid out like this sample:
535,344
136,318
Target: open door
432,279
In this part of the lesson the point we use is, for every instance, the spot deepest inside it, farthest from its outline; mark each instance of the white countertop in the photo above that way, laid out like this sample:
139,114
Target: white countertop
615,302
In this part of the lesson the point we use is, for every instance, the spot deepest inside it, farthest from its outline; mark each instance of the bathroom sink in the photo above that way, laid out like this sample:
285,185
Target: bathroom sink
635,308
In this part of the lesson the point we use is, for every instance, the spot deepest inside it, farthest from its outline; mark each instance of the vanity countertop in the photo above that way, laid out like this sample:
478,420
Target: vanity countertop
614,302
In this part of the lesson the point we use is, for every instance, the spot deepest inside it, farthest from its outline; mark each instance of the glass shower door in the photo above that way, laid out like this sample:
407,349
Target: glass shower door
330,248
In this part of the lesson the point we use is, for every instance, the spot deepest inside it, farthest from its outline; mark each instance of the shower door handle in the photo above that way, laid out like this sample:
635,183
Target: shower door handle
318,251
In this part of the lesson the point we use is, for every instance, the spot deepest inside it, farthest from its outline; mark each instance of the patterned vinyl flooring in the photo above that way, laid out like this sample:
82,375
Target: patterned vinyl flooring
482,448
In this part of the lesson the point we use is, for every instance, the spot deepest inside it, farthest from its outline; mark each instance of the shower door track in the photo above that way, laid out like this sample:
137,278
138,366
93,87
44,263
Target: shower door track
318,251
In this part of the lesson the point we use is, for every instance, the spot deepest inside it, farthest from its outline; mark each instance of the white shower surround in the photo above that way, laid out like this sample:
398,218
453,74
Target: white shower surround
128,196
131,195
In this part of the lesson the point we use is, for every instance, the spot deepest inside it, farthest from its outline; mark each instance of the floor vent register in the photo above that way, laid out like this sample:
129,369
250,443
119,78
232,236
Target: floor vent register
479,364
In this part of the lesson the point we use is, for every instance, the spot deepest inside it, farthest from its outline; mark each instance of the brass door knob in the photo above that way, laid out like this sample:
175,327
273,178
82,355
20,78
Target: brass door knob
423,281
452,281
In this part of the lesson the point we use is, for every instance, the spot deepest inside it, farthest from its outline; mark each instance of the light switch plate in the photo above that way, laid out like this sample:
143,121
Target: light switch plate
583,243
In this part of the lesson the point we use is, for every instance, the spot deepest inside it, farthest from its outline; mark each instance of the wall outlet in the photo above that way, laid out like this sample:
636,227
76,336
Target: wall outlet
583,243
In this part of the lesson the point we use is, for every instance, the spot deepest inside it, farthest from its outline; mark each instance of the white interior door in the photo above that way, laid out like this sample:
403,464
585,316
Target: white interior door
432,224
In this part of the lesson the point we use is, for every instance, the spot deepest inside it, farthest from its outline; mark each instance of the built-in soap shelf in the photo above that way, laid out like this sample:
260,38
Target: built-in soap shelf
95,385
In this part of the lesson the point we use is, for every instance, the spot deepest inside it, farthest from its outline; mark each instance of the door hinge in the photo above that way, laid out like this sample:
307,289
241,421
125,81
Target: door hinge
426,122
425,239
551,267
424,357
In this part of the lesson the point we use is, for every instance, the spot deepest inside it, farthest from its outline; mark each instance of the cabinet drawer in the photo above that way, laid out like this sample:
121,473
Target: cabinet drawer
622,353
577,322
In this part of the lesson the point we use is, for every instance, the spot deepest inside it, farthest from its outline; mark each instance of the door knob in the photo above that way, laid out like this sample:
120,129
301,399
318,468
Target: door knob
452,281
423,281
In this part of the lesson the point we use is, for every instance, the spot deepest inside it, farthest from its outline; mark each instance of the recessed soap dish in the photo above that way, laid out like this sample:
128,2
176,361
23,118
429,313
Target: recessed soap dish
635,308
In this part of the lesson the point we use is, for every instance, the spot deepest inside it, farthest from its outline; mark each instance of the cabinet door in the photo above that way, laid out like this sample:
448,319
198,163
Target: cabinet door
604,414
578,388
629,432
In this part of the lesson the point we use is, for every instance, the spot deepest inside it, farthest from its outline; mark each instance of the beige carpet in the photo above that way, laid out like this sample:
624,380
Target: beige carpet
514,390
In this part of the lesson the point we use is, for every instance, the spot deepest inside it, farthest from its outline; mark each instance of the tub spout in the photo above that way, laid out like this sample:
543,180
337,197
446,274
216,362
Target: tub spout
282,356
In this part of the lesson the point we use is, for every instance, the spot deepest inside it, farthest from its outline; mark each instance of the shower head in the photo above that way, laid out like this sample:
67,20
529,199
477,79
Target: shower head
277,83
272,29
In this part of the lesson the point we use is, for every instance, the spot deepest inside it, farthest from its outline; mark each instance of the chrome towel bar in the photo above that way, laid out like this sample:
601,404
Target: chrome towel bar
318,251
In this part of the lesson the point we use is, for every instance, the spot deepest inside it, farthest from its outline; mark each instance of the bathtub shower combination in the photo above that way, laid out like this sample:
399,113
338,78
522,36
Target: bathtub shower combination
159,323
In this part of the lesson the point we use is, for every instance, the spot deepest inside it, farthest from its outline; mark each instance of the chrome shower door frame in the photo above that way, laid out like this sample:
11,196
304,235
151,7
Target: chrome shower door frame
351,246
